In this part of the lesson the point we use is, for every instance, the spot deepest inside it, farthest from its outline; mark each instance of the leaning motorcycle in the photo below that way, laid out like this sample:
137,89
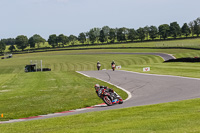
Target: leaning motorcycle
109,98
113,67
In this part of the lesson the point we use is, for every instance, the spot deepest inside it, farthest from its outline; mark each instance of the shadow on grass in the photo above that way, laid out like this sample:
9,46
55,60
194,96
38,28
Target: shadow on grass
6,119
188,59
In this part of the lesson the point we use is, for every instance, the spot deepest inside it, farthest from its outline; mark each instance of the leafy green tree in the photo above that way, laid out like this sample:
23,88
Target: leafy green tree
164,31
153,32
12,48
125,32
43,41
196,28
146,32
198,20
9,41
21,42
141,33
31,42
185,30
97,33
36,39
112,35
73,39
62,39
191,26
91,35
53,40
132,34
87,37
102,36
175,29
82,38
121,35
2,46
106,30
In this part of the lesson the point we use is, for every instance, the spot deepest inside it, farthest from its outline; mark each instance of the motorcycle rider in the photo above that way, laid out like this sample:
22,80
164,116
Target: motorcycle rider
97,88
98,65
112,63
111,91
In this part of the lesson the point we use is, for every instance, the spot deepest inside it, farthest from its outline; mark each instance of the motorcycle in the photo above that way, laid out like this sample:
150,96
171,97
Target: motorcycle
98,66
109,98
113,67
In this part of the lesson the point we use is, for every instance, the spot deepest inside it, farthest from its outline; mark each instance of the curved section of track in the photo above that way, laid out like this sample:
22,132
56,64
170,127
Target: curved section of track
149,88
162,55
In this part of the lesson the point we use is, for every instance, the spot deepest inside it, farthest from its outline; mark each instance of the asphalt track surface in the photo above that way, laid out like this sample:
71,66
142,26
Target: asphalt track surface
143,89
162,55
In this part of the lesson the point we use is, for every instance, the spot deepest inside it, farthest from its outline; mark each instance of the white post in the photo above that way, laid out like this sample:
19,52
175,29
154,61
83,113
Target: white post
41,65
36,65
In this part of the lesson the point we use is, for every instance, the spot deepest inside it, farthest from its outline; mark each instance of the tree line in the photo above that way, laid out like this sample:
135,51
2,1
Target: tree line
107,35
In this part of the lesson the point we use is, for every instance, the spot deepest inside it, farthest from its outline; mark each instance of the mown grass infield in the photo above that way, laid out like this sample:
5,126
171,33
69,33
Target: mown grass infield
31,94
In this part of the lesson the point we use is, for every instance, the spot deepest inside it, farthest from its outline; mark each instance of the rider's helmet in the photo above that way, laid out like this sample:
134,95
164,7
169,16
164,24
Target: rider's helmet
113,61
97,61
105,87
101,86
97,86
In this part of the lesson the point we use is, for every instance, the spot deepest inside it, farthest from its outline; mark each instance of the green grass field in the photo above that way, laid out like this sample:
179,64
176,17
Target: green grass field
30,94
188,43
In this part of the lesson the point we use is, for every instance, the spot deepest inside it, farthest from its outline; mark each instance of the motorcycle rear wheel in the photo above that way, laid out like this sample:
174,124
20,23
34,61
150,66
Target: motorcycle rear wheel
120,102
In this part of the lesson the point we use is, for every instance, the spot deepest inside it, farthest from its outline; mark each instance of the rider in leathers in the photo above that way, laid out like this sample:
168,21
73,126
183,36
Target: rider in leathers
112,63
111,91
98,65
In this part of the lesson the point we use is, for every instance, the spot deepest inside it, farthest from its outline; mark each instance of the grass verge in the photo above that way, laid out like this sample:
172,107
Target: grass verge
176,117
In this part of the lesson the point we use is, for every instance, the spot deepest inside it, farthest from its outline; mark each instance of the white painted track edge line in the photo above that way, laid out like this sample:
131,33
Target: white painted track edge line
83,74
160,75
171,55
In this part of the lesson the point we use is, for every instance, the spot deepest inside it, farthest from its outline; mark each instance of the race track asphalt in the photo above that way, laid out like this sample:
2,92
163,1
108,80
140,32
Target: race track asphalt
149,89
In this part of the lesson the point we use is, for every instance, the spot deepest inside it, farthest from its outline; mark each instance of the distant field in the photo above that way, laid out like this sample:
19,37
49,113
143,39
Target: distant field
186,43
190,43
